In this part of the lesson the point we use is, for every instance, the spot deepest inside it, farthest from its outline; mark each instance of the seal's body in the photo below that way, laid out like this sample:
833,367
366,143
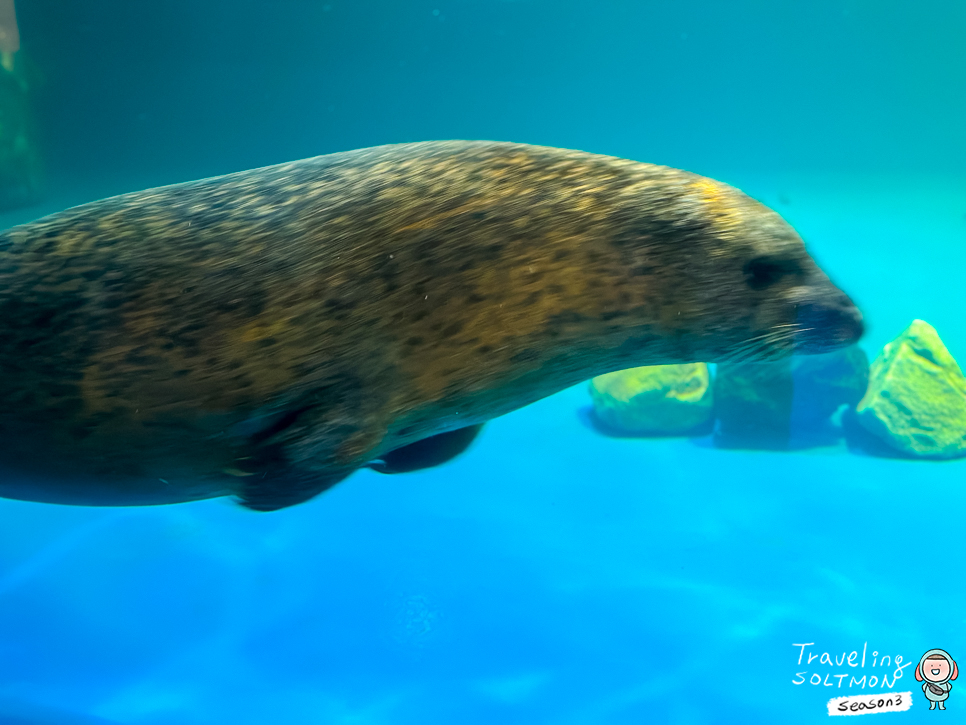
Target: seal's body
268,332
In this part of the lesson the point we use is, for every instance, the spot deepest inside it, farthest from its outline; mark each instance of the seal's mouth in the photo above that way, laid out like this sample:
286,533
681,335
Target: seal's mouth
817,327
827,325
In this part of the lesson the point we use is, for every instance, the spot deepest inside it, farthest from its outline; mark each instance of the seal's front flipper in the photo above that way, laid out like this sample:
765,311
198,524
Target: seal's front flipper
268,479
271,490
428,452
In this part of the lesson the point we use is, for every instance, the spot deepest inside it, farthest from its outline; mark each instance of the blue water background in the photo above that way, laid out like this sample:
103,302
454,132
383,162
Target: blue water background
550,575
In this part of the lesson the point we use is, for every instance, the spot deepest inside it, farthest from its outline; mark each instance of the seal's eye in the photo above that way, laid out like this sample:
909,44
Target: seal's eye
763,272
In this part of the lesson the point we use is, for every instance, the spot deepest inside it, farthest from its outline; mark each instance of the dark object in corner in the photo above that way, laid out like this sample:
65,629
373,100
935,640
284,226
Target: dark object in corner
428,452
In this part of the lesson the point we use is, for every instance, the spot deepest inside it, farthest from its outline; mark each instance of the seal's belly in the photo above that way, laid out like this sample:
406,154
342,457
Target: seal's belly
86,461
98,490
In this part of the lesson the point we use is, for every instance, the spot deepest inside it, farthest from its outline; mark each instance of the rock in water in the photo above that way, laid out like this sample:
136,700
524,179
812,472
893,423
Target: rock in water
824,383
753,404
659,400
916,401
766,404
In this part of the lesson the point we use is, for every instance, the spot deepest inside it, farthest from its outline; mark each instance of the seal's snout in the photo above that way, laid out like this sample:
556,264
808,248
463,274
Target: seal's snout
827,324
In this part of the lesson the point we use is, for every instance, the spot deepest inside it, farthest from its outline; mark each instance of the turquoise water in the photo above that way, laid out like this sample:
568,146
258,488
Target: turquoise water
550,574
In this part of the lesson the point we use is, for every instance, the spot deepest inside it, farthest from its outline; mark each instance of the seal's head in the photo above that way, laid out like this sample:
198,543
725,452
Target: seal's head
736,281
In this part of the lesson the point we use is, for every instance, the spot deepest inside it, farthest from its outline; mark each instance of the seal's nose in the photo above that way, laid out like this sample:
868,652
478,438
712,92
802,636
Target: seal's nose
827,325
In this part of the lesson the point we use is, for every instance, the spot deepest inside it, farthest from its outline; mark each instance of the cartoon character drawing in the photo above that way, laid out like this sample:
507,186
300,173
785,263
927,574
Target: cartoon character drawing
935,670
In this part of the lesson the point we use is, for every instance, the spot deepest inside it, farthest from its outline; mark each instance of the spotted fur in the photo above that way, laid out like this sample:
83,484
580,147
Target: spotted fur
268,332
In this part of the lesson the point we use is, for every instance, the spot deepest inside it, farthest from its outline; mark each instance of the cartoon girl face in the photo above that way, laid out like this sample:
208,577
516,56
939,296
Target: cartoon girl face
935,670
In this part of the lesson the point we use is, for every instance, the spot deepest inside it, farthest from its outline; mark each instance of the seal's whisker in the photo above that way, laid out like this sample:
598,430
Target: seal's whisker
762,347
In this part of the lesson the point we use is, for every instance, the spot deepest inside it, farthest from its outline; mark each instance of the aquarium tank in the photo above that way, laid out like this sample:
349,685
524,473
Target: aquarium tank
370,362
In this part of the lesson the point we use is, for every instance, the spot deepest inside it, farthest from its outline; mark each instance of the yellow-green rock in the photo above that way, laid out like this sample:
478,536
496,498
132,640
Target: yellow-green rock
916,401
654,400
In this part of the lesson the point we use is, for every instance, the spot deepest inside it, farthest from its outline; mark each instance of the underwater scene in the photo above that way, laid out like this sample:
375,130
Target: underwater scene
370,362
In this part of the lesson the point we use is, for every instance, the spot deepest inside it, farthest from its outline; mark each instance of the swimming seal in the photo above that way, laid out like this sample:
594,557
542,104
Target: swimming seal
266,333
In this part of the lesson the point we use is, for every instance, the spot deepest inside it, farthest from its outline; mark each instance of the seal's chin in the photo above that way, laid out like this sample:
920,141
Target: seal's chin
827,325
